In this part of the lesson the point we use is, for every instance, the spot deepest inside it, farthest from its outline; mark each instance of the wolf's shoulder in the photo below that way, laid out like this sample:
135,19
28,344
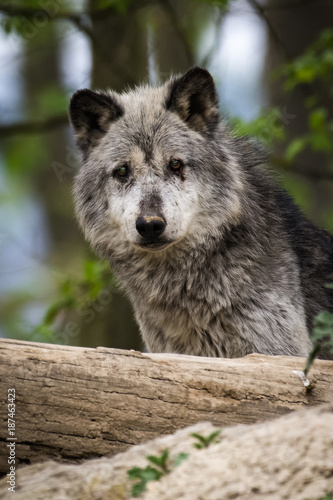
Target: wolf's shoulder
312,245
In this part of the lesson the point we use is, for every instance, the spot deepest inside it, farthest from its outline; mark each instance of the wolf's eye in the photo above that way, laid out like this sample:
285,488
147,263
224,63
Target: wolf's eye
122,171
176,166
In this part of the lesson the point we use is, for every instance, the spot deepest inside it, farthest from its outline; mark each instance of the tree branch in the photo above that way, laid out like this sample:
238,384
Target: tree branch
292,5
41,126
301,169
168,8
20,11
262,12
33,127
79,19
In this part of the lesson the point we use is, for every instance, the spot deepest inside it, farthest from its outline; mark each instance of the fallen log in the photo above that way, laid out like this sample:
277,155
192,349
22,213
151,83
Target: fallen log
73,403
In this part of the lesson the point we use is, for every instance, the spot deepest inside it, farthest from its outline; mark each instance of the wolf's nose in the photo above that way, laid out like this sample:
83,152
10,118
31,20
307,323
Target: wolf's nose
150,227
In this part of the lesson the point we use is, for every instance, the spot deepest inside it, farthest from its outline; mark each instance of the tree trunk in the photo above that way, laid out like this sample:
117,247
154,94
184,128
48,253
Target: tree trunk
74,403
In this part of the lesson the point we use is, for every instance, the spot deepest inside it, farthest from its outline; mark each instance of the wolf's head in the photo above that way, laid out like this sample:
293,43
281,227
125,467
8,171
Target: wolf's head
157,169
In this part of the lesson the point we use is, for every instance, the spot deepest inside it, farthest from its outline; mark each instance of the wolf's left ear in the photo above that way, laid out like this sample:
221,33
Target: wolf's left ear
193,96
91,114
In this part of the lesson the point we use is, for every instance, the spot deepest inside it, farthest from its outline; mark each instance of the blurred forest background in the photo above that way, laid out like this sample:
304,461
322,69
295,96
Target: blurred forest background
272,61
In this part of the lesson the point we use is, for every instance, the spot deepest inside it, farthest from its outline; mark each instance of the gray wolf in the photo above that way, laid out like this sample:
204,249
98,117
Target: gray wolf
215,257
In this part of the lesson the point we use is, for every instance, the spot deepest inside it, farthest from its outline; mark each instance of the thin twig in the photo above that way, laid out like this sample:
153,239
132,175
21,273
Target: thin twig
293,4
20,11
217,32
301,169
262,12
179,30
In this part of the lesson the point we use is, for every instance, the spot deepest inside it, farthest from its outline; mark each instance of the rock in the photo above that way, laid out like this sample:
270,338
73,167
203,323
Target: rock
287,458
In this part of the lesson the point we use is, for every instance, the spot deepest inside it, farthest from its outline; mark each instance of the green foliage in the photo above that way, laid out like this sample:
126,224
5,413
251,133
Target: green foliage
119,5
314,65
329,496
12,25
268,127
162,464
319,137
20,18
74,294
52,101
25,154
27,4
180,458
323,330
295,147
221,4
160,461
205,441
142,476
322,336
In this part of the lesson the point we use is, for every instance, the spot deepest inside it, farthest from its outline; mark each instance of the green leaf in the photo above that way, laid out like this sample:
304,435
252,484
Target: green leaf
161,460
43,333
324,317
150,474
316,63
180,459
143,475
138,488
135,473
268,127
200,438
322,336
204,442
305,74
212,437
295,147
321,142
317,119
328,58
55,308
76,294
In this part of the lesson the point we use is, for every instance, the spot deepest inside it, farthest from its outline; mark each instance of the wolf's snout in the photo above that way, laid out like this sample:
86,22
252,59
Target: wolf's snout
150,227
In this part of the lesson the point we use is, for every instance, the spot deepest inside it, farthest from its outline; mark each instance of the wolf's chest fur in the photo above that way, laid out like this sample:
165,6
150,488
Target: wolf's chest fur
216,259
217,305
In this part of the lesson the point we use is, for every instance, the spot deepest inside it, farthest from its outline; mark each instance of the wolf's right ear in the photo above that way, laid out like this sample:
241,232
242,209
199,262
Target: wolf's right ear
91,114
193,97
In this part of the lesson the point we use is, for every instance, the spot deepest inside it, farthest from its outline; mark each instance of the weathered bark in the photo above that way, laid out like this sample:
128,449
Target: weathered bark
73,403
288,458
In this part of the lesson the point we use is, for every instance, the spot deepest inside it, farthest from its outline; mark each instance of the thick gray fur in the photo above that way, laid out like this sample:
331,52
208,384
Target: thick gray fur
238,268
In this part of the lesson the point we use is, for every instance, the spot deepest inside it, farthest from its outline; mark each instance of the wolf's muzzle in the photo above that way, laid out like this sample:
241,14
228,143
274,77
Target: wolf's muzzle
150,227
